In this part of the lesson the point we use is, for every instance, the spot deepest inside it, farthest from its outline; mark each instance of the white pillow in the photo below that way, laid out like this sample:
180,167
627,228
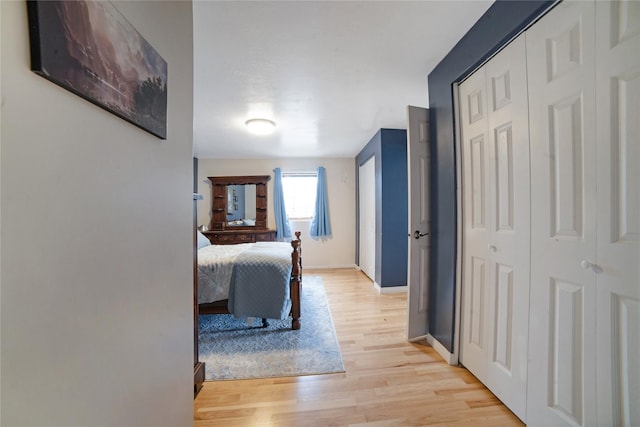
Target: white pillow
251,222
202,240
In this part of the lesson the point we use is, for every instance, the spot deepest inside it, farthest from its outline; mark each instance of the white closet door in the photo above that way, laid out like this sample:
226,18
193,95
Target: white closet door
496,237
509,245
477,203
367,205
618,263
562,345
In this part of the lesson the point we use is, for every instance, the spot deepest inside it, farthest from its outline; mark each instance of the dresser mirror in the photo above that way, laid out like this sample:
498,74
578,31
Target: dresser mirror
238,202
241,205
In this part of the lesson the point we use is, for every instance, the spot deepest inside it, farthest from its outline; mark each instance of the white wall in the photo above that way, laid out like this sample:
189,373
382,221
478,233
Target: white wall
96,243
334,252
1,104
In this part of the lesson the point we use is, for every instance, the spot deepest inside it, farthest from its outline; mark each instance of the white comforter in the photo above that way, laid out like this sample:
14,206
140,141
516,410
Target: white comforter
215,266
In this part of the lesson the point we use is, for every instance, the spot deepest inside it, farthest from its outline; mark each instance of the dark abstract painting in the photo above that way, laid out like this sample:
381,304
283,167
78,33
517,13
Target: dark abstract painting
89,48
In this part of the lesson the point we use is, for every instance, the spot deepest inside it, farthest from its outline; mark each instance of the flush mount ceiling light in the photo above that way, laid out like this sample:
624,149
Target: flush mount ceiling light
260,126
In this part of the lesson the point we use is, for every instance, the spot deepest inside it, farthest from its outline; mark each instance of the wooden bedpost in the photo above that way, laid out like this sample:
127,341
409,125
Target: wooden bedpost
296,281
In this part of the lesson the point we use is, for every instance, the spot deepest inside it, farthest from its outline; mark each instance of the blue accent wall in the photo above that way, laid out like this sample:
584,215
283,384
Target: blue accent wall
394,207
502,21
389,146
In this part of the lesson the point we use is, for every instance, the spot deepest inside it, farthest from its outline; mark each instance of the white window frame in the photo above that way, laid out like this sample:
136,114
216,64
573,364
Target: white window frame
291,213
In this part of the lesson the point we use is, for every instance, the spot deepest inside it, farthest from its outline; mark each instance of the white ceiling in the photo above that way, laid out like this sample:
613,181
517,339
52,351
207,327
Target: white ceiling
329,73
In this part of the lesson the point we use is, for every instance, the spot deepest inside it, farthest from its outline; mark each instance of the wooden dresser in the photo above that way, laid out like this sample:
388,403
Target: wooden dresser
227,207
246,235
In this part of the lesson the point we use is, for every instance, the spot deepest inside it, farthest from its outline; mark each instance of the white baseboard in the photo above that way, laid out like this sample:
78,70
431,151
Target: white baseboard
450,358
327,267
420,338
390,289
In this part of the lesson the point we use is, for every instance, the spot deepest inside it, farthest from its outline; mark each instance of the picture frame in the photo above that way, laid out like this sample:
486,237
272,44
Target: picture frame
90,49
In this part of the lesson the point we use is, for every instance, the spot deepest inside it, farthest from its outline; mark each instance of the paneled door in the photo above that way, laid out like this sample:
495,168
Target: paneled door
617,267
562,108
418,163
496,237
477,199
367,208
509,244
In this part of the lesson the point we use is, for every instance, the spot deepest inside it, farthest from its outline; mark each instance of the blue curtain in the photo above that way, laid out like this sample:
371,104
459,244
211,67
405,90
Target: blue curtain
320,225
283,230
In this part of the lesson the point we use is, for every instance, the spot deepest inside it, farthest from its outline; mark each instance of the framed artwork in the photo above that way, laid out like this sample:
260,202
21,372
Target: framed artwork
90,49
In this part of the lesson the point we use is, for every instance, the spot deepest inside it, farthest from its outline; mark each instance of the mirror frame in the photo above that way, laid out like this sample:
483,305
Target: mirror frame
219,201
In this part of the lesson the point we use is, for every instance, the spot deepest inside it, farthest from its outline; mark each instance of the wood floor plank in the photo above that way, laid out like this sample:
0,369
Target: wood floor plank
388,380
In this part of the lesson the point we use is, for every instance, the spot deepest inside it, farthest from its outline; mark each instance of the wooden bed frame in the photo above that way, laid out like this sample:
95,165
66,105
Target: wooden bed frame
295,285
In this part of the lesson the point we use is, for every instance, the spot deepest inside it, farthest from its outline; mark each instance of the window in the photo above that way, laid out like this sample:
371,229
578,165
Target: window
299,191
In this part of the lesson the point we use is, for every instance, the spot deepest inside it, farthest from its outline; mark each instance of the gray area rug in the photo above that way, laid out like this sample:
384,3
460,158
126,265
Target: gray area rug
232,349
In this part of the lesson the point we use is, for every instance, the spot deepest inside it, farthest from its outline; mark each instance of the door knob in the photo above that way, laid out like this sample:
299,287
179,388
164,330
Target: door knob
417,234
588,265
492,248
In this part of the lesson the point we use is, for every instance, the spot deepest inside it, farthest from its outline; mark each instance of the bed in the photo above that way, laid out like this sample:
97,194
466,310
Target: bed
253,280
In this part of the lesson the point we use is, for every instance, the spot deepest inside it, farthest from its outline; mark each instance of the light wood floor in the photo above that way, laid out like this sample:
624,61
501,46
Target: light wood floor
388,381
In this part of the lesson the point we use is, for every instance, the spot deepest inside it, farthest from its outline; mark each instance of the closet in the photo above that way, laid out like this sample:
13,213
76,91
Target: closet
496,225
584,100
367,223
550,148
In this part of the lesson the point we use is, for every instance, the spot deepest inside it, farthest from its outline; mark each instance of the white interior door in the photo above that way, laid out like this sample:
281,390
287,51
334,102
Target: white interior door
509,226
582,364
496,235
367,206
618,248
418,163
562,356
477,200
